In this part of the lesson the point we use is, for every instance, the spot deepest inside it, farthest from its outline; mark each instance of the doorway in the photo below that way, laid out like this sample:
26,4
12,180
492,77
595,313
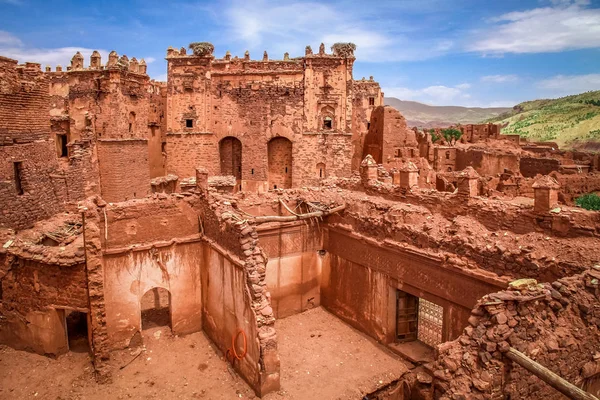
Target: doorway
156,308
418,319
77,331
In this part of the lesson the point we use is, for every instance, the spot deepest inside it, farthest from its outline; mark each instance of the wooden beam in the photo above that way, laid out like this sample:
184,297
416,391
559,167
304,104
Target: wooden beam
288,218
558,383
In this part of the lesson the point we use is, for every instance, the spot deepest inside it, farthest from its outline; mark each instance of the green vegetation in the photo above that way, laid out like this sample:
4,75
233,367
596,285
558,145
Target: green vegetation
590,201
451,135
570,121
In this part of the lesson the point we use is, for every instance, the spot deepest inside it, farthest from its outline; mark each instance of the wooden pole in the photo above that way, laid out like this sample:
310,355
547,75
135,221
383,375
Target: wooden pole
558,383
289,218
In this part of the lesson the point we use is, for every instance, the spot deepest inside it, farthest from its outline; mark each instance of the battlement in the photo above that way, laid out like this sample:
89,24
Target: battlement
114,62
205,50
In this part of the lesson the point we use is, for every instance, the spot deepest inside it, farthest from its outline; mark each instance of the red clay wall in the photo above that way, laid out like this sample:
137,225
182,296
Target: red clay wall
33,297
280,163
388,136
124,169
486,163
25,138
531,166
293,273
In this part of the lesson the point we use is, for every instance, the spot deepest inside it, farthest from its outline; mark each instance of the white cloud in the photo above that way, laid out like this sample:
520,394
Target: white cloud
463,86
567,25
561,85
499,78
434,95
149,60
8,39
289,27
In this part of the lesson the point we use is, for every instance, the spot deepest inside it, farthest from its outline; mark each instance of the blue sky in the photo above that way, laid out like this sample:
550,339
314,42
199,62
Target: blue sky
443,52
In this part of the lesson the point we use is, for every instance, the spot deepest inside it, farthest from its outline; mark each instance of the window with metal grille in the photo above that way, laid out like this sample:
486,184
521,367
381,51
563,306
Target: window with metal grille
431,321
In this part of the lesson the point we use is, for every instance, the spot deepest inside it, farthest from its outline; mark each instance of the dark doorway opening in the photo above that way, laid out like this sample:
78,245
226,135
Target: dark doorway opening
63,150
77,331
156,308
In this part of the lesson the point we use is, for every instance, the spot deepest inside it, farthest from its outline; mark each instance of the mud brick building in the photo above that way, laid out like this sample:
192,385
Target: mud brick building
241,192
270,123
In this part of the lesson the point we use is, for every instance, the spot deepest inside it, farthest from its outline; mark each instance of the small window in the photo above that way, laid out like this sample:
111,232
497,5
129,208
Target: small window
61,140
131,121
327,123
371,101
447,155
189,123
18,168
449,169
286,170
252,171
368,125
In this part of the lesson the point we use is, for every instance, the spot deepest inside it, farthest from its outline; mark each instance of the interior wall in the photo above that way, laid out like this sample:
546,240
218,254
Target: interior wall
293,274
359,281
226,310
128,276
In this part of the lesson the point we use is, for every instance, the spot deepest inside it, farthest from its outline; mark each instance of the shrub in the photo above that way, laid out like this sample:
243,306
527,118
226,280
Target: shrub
590,201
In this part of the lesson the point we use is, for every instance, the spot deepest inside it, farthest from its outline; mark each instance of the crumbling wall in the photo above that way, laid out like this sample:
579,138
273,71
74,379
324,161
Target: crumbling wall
34,299
486,162
389,137
27,152
532,166
367,96
557,325
119,181
237,265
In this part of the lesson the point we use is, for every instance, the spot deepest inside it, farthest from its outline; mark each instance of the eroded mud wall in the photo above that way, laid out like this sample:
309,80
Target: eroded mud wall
294,268
129,275
34,297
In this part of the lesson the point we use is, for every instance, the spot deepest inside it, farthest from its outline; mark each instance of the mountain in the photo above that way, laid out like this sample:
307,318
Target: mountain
572,121
426,116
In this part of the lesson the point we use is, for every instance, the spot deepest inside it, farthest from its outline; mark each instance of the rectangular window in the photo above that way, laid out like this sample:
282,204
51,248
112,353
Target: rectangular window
371,101
189,123
61,141
18,167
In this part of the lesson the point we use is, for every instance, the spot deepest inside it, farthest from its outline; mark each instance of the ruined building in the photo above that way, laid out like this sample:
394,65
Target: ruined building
242,192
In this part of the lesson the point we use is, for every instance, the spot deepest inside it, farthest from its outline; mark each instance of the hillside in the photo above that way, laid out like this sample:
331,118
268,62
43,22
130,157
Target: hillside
426,116
572,121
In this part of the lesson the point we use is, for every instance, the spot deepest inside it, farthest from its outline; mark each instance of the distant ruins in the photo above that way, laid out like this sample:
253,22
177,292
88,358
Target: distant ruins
242,191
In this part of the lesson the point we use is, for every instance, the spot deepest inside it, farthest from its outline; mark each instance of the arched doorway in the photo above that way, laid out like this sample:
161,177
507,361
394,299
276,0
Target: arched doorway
156,308
280,163
230,154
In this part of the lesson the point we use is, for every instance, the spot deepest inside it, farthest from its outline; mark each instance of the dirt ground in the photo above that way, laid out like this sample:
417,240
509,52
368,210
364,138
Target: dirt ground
321,358
170,367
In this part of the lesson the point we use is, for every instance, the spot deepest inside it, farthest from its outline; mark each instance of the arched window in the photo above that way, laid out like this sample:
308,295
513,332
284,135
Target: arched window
327,118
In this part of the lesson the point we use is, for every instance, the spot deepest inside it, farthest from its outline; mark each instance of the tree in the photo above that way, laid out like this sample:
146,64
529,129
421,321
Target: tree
590,201
452,135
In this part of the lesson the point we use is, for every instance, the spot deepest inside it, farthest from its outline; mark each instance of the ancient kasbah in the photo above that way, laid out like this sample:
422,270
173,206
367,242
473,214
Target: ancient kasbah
255,226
